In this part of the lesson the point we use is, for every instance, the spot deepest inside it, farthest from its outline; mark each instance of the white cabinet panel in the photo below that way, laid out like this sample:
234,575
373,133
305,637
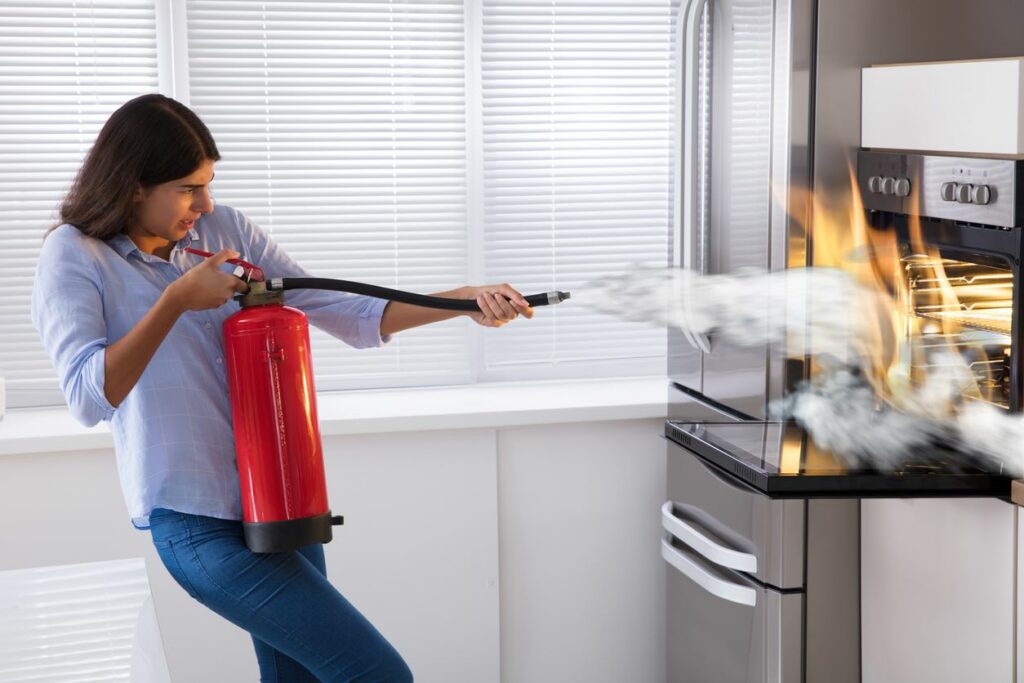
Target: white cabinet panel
937,590
1020,595
418,553
582,579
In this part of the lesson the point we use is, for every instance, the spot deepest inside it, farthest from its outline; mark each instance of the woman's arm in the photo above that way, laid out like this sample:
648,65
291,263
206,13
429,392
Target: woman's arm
343,316
202,287
498,303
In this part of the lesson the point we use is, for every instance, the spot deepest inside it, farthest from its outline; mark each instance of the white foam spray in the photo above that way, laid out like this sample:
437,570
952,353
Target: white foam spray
848,328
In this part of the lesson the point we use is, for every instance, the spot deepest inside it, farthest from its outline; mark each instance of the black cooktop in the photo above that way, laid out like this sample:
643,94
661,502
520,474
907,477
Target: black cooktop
779,459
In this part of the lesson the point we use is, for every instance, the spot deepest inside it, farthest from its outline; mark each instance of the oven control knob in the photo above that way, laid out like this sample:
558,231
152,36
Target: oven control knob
875,184
902,187
888,185
948,192
963,193
981,194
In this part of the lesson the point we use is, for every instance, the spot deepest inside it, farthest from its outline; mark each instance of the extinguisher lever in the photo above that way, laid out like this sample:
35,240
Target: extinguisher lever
337,520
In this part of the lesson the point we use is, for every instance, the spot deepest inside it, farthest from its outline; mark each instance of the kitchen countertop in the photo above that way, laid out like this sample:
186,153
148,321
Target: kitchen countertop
778,459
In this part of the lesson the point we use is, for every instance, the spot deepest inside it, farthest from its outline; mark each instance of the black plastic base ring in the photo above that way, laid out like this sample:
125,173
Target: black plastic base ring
291,534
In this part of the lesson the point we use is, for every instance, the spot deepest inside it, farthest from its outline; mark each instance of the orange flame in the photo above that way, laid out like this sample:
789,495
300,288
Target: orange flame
932,323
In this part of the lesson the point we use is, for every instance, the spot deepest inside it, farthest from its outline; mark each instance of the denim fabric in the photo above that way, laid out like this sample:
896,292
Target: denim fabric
302,627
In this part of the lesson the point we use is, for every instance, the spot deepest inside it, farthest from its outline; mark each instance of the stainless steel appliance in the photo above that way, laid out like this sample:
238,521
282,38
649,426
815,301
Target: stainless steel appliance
762,533
755,583
958,222
762,544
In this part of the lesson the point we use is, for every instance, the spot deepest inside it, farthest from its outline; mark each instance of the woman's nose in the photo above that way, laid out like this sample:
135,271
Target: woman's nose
203,202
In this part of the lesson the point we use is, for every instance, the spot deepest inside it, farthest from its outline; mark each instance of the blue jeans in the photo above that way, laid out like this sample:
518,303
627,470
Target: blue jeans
302,627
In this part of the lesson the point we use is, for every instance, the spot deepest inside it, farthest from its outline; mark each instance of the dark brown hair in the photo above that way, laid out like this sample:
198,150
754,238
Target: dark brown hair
149,140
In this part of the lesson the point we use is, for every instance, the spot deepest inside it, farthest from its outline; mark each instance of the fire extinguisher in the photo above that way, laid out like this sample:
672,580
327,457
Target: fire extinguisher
273,406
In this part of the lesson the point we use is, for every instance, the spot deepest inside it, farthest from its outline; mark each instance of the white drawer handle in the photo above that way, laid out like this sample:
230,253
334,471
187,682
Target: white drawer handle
727,590
712,551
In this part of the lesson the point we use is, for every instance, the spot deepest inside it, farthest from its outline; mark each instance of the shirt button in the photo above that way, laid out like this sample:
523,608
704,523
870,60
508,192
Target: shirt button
207,325
219,359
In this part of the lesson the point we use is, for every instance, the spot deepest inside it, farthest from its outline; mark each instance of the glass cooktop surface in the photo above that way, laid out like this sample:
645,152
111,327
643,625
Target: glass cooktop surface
780,458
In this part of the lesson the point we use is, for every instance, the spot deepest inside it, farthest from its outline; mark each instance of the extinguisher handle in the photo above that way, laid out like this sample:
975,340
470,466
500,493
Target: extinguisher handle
251,271
280,284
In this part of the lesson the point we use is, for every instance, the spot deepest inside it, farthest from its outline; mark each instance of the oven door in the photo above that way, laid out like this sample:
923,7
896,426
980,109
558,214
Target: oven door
726,628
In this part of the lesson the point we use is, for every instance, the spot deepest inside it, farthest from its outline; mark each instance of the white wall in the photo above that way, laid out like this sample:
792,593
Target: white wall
572,508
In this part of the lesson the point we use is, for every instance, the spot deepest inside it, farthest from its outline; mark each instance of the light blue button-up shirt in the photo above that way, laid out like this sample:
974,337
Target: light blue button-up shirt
172,432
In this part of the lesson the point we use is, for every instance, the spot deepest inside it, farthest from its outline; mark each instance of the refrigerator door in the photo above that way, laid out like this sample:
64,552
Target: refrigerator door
745,106
725,628
733,525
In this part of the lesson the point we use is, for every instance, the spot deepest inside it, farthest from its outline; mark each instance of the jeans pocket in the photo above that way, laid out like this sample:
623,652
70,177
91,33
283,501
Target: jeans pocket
168,553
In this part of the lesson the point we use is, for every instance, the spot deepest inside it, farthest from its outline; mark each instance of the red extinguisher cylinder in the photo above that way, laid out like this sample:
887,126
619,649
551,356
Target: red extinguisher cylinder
277,436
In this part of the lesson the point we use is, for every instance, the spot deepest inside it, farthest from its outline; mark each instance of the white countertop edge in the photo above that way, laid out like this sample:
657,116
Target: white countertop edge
379,411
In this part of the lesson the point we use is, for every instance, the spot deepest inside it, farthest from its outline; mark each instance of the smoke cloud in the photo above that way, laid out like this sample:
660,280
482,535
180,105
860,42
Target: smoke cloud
848,329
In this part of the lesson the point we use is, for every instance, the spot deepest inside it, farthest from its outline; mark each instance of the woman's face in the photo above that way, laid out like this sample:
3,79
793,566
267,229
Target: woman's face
166,212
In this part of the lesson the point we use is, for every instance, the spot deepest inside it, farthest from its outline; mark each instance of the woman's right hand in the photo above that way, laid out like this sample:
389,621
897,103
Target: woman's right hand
205,286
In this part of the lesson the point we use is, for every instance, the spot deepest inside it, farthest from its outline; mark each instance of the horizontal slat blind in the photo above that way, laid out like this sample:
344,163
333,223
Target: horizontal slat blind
342,131
64,67
76,623
577,145
343,127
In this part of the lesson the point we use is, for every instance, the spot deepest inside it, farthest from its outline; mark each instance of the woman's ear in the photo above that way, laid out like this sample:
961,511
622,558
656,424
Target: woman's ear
139,195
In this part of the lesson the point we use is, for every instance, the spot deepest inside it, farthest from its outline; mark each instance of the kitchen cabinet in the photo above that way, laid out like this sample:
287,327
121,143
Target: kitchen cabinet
939,590
519,554
582,583
419,549
1019,618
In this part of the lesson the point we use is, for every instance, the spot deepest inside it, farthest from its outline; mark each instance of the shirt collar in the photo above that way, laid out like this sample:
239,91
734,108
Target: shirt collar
124,245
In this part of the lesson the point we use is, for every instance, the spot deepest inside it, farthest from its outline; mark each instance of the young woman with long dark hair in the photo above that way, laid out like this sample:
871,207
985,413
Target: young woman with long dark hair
132,323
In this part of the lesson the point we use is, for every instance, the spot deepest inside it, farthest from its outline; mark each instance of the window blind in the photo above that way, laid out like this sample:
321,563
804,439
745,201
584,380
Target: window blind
342,130
65,66
78,623
577,152
420,145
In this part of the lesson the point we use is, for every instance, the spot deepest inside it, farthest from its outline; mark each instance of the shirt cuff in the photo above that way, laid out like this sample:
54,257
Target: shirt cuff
96,373
369,324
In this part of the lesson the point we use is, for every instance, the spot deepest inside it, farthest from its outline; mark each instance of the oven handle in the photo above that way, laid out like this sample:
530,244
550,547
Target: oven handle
689,14
701,543
727,590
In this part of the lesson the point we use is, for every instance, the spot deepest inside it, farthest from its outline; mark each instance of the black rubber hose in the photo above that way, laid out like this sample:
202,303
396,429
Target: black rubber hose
286,283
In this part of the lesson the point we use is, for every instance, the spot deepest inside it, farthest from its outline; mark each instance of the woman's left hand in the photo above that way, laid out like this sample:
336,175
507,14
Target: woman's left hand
498,304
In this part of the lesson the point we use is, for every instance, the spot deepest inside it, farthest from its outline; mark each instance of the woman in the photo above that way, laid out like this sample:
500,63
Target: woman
132,323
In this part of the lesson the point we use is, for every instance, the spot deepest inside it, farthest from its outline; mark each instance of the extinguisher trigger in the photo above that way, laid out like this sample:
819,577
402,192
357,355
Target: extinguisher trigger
337,520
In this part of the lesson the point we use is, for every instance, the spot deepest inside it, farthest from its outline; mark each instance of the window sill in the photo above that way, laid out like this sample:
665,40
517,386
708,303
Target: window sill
512,404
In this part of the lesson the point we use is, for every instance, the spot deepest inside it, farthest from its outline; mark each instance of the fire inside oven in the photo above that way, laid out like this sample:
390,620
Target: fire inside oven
959,320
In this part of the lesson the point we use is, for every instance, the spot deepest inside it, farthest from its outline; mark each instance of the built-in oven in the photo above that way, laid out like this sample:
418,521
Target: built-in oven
956,221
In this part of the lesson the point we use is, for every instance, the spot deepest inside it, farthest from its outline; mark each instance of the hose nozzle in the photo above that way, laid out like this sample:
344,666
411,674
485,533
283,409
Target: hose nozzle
553,297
